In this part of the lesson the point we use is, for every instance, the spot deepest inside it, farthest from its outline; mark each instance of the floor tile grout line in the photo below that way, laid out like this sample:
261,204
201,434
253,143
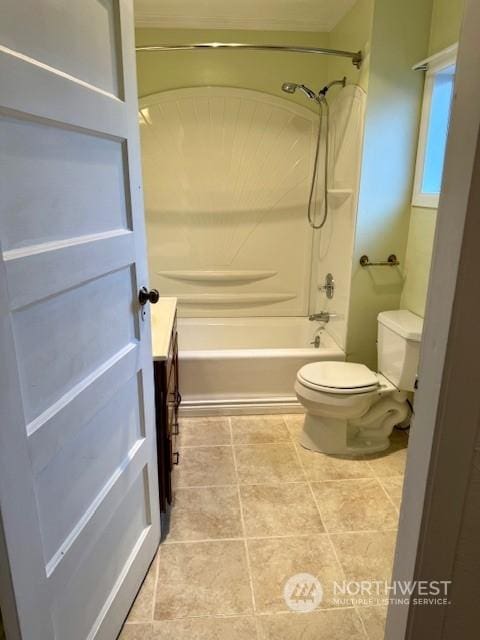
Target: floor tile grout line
207,486
379,479
344,480
283,443
367,636
299,460
259,614
264,484
332,546
233,443
307,480
244,529
360,531
327,529
280,537
205,446
242,484
237,444
397,509
230,431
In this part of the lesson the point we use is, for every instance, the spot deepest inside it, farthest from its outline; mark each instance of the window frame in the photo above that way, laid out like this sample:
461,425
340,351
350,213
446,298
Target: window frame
434,65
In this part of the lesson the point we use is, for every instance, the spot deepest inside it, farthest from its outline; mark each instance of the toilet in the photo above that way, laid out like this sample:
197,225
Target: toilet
351,410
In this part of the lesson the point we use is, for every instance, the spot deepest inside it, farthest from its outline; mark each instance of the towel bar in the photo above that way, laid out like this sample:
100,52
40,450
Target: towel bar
390,262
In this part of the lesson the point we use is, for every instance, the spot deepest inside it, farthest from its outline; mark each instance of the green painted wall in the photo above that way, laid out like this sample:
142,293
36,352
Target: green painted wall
445,30
399,39
258,70
446,23
353,33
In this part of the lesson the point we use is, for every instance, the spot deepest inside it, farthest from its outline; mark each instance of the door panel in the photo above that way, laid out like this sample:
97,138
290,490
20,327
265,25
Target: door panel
40,271
48,433
60,334
90,171
68,485
78,483
77,38
71,621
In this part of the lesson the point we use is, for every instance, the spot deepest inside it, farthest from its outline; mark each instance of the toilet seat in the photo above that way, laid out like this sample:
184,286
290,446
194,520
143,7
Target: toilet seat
338,377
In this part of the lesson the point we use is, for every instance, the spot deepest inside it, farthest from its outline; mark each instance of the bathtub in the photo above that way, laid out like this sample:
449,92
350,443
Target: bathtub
246,365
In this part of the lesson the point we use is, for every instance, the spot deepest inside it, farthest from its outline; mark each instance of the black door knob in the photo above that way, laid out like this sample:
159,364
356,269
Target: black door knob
144,296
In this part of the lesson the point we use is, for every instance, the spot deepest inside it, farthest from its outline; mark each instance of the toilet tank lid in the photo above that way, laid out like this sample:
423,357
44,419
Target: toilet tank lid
403,322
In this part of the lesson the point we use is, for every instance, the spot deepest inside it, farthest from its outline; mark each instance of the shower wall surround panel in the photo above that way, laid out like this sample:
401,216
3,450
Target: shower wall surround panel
333,252
227,173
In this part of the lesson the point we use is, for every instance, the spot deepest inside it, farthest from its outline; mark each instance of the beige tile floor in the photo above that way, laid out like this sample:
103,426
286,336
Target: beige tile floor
251,509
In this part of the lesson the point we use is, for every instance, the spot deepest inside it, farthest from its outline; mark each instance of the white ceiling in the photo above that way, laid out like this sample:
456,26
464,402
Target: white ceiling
269,15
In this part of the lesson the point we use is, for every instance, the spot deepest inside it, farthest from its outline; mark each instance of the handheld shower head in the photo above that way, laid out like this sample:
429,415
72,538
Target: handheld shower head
291,87
323,114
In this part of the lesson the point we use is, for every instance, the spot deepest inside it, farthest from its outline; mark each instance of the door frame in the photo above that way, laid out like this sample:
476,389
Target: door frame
445,433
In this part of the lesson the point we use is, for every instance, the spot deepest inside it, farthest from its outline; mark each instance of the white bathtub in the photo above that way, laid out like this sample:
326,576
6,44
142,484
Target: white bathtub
246,364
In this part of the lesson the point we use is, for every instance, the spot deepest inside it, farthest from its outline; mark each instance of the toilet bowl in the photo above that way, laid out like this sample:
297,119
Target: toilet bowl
351,410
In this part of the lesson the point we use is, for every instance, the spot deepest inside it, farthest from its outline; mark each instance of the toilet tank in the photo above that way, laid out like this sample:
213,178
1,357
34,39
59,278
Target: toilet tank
398,347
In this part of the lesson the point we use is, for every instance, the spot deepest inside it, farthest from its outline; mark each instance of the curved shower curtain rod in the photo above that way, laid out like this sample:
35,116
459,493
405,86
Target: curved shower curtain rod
356,57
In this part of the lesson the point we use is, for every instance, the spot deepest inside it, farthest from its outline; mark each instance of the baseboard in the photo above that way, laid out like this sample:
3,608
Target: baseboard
248,406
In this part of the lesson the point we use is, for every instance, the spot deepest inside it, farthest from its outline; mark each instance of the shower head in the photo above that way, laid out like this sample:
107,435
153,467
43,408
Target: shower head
291,87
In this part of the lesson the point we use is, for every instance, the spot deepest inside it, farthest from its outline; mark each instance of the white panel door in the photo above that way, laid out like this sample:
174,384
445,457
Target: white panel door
78,483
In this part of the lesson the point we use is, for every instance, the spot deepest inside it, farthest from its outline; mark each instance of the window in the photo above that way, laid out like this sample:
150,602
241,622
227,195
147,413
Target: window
437,102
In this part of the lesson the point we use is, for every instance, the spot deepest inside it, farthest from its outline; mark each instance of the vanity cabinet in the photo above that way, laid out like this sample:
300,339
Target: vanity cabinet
167,403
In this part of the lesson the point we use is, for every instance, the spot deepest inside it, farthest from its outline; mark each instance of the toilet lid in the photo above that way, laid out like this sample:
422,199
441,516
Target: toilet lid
338,377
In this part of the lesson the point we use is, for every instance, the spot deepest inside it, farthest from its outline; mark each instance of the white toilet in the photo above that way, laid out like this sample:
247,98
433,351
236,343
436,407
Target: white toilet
350,410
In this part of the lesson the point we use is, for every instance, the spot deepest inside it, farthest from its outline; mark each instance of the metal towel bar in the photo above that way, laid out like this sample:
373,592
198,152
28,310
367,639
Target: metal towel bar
391,261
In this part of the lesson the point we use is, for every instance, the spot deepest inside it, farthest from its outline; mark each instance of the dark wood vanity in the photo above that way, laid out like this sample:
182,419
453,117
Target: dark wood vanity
167,401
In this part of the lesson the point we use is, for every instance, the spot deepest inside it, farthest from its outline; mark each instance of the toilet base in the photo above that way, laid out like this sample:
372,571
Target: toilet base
354,445
360,435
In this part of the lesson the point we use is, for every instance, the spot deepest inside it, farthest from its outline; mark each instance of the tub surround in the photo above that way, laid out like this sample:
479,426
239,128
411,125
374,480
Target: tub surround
221,247
163,318
333,245
231,205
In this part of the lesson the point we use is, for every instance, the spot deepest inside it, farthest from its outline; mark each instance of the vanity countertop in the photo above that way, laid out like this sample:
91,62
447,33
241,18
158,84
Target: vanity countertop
163,317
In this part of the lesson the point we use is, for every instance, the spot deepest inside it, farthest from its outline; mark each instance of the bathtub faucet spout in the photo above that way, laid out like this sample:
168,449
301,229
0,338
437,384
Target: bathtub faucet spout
323,316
